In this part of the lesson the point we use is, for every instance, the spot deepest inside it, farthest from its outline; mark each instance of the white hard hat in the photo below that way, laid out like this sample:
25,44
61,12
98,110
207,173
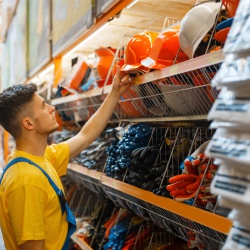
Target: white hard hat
196,24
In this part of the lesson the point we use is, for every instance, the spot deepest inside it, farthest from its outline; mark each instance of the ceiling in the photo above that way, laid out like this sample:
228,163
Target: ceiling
143,15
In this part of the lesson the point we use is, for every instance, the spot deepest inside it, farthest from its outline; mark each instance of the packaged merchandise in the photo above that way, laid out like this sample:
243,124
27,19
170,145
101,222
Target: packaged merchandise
230,145
238,238
232,182
238,37
234,74
231,108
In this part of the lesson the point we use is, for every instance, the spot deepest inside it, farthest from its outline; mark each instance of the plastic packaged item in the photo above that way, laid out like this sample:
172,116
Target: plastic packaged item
238,238
229,202
238,37
232,182
229,125
231,108
185,186
234,74
78,75
237,215
230,145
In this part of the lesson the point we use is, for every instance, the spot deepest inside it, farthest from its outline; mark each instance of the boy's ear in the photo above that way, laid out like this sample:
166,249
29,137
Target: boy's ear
27,123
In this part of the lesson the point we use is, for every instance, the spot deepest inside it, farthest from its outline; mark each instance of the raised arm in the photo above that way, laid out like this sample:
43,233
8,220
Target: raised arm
97,123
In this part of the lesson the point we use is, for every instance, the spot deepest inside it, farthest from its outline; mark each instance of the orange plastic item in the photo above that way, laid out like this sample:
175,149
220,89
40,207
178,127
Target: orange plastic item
106,58
132,108
138,48
201,79
78,75
221,35
164,50
231,6
101,82
109,224
215,48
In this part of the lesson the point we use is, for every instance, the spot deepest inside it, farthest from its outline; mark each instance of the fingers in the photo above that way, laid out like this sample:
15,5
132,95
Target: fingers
116,78
122,78
126,79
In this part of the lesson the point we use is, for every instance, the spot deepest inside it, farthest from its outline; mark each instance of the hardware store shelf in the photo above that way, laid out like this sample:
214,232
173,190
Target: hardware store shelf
85,177
194,214
190,65
165,119
83,170
75,97
203,217
82,244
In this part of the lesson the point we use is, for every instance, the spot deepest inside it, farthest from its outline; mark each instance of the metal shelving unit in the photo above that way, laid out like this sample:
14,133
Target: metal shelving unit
178,218
181,92
88,178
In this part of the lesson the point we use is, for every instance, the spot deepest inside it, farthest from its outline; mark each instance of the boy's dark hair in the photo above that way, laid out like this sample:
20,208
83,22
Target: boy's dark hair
13,101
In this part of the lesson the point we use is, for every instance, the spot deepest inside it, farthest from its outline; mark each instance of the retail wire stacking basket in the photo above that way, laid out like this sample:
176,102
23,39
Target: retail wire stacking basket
178,143
184,94
90,183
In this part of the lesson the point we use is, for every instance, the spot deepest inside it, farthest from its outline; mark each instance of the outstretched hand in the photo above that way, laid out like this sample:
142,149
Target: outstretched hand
121,82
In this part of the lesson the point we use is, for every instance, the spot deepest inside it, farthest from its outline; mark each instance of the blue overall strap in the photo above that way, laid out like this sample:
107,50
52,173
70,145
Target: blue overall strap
23,159
64,206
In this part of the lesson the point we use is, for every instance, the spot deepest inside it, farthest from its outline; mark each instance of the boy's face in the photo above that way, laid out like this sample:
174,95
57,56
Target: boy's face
44,116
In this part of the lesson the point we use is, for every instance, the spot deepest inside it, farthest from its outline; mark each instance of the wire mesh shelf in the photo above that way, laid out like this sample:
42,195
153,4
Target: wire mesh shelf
152,166
88,182
180,92
91,211
174,223
174,144
183,94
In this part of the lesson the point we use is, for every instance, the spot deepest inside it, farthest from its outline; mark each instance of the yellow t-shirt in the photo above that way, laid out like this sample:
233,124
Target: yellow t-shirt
29,206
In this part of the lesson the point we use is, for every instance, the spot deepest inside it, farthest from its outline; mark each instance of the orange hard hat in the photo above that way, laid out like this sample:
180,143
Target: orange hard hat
231,6
221,35
138,48
164,50
106,58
